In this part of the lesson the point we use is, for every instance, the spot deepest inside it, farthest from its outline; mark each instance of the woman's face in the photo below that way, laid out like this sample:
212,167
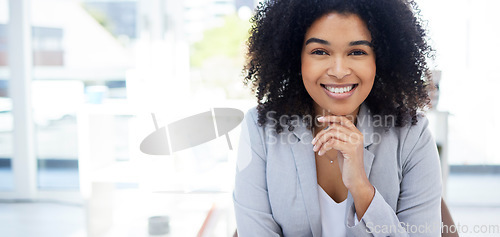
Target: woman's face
338,64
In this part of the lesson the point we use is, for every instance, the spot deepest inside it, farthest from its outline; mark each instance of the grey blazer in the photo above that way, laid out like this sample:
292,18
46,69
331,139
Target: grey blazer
276,194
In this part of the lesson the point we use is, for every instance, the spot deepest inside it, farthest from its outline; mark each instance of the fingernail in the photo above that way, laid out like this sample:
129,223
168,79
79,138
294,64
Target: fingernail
315,147
320,153
321,118
313,141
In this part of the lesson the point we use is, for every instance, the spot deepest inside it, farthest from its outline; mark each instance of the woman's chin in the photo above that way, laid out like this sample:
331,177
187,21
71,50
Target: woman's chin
336,112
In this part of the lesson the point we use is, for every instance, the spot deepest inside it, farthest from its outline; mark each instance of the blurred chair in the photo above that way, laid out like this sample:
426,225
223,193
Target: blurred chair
447,221
208,224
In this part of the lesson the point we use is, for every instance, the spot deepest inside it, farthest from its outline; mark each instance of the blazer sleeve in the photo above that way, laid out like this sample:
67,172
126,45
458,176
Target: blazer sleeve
250,196
418,210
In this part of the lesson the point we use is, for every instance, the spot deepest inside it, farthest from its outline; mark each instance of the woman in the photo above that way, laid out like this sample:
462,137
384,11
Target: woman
335,146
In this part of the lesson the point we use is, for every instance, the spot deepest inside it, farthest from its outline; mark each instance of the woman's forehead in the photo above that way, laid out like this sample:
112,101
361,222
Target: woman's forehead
339,26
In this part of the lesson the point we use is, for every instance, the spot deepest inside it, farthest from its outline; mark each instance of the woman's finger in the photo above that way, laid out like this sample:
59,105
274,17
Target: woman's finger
330,134
336,144
328,129
342,120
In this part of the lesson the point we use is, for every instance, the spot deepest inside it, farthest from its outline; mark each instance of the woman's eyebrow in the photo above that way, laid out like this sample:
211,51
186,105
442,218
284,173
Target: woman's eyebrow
316,40
361,42
353,43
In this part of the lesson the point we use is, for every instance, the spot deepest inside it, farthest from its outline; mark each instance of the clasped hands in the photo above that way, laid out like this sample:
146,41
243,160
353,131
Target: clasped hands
343,136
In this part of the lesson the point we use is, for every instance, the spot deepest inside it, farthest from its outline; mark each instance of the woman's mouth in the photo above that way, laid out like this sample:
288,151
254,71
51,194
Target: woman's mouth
339,91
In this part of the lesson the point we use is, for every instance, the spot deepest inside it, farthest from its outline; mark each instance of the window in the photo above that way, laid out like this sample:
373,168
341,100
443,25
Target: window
461,32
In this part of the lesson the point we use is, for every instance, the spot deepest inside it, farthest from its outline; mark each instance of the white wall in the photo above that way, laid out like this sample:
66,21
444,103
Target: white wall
466,35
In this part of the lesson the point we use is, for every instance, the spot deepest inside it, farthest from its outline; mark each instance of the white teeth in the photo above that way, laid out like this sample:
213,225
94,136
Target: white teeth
339,90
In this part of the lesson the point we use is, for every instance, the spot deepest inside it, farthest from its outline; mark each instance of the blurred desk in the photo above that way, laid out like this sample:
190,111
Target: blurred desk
123,188
131,209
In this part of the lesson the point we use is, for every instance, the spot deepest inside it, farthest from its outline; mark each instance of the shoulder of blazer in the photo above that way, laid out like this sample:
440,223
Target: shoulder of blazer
256,132
412,134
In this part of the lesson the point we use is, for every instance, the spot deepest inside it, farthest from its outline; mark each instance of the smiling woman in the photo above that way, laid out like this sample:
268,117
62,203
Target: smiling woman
337,74
338,64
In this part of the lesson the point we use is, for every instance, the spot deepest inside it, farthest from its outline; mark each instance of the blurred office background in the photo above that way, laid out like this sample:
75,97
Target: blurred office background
80,79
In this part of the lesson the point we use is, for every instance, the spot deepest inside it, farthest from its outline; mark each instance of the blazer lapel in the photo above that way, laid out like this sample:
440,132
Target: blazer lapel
365,126
305,162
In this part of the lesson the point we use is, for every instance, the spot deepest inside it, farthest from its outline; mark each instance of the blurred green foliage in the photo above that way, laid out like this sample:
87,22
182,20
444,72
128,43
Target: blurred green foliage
227,40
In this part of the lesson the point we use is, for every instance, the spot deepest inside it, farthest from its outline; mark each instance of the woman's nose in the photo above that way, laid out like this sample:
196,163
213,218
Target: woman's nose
338,68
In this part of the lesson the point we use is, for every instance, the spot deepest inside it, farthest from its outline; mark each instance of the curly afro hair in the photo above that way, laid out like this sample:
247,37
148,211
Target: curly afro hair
402,80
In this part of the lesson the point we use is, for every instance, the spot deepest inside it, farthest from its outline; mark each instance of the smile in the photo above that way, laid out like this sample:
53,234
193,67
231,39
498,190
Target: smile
339,91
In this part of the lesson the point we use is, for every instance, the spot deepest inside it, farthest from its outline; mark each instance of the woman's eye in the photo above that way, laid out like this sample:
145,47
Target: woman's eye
319,52
357,52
